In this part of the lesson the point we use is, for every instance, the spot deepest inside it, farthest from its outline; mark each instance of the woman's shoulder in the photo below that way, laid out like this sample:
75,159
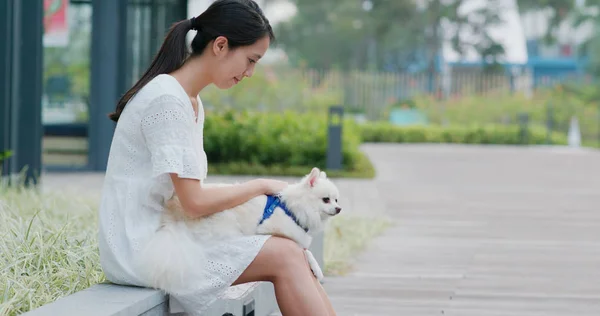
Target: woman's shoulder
165,85
162,91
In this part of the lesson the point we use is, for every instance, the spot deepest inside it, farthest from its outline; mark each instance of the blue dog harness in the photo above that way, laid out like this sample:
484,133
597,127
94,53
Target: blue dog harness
273,202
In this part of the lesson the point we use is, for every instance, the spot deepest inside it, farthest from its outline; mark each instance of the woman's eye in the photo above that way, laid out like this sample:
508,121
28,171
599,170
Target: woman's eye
252,61
326,200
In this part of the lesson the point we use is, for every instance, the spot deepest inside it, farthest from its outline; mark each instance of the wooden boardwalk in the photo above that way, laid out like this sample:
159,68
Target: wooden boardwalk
480,231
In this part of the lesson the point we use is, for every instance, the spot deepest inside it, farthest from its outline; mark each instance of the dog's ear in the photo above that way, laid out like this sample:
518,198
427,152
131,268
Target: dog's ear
313,176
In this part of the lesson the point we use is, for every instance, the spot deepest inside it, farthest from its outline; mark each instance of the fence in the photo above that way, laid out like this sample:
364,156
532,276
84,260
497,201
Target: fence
372,93
370,87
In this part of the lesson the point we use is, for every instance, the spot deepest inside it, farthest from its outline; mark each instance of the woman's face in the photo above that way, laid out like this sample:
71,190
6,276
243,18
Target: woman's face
233,65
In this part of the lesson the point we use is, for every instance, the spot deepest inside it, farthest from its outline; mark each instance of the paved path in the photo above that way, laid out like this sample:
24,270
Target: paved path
480,231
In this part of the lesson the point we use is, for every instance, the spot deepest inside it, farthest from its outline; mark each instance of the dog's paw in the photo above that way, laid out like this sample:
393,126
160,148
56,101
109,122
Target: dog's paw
314,265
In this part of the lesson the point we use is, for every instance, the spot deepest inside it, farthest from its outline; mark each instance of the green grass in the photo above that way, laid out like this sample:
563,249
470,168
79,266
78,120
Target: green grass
345,237
48,246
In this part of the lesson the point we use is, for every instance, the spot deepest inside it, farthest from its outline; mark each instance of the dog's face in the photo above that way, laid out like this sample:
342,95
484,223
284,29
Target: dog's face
324,193
315,199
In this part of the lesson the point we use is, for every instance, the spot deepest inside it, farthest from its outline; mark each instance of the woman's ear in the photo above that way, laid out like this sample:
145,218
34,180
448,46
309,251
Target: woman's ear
220,46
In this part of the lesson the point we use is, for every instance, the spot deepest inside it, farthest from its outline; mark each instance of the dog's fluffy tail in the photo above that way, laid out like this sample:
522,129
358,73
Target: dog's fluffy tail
171,259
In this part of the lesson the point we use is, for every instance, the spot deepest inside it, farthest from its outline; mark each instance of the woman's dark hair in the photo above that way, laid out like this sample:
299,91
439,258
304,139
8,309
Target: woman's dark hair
242,22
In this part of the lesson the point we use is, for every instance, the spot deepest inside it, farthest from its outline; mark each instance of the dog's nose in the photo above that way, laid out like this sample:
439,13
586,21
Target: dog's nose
338,210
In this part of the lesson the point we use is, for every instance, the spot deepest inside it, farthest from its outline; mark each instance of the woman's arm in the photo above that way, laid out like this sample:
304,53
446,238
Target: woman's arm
199,201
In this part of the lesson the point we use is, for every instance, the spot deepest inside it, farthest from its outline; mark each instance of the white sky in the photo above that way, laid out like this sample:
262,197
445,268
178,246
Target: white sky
276,12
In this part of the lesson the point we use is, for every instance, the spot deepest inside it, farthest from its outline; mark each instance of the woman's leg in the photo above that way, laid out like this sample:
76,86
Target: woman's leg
325,298
283,263
322,292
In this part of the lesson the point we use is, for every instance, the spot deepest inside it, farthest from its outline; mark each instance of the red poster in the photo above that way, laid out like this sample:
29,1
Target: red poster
56,29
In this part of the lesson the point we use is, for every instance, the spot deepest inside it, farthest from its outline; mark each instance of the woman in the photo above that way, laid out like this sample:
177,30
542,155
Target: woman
157,150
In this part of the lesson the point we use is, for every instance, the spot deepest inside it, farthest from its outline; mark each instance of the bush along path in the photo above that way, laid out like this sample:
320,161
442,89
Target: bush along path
486,134
286,143
290,143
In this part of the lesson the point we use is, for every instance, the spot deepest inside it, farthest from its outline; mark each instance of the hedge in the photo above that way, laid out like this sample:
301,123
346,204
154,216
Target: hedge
291,143
277,144
488,134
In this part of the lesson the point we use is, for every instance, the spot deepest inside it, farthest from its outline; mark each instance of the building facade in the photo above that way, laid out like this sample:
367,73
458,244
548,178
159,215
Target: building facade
64,65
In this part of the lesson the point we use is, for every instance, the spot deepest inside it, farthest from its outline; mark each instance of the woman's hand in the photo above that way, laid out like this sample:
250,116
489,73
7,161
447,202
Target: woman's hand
272,187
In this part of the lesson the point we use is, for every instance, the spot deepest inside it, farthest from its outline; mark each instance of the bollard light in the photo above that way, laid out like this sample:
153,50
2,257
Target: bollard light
334,137
523,128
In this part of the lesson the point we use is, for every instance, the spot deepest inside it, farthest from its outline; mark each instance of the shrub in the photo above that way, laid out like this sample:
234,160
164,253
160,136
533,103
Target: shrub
5,155
276,142
489,134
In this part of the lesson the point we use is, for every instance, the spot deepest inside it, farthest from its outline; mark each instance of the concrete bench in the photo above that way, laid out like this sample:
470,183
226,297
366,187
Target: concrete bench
115,300
253,299
108,300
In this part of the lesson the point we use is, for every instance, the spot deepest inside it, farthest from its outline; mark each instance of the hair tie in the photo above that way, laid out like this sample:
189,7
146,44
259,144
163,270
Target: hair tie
194,24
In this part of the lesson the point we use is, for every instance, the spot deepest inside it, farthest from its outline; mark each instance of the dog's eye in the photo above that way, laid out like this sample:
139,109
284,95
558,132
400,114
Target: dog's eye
326,200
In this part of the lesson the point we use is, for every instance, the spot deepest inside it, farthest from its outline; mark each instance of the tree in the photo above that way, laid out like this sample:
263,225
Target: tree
383,34
327,33
472,30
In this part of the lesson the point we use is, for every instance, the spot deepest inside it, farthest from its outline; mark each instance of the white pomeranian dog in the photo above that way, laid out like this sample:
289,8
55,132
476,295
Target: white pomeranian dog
299,212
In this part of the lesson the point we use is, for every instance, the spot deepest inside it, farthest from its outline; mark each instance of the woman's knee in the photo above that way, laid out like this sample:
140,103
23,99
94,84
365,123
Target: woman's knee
285,257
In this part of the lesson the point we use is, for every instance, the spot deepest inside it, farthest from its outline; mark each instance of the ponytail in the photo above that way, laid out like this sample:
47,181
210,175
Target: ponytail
170,57
241,21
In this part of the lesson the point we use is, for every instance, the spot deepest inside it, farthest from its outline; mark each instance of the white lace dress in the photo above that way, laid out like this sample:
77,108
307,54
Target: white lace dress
158,134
